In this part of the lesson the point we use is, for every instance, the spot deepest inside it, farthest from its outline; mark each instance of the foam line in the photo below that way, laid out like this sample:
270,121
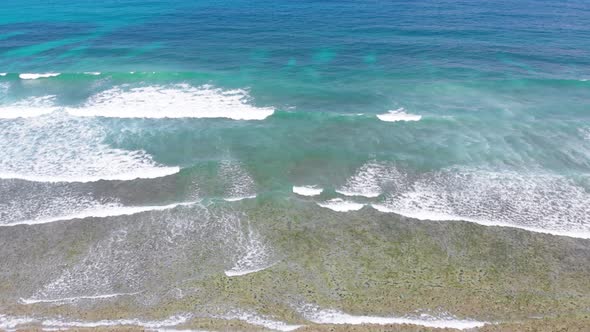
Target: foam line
148,173
169,322
10,323
330,316
368,194
237,272
239,198
258,320
75,299
102,212
434,216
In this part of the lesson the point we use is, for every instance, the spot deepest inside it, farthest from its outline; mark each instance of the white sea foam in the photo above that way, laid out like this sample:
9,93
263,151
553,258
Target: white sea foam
30,107
148,173
51,201
33,76
330,316
106,267
12,323
340,205
237,184
236,199
368,193
118,263
307,190
241,271
8,323
57,149
177,101
169,322
255,256
258,320
100,212
3,74
535,202
438,216
370,180
93,73
364,183
419,214
398,115
75,298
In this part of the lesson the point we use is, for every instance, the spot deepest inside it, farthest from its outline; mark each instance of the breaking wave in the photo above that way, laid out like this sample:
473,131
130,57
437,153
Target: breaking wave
398,115
177,101
340,205
29,107
307,190
536,202
57,149
34,76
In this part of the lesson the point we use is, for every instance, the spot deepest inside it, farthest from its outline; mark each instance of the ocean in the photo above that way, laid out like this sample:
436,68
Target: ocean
167,162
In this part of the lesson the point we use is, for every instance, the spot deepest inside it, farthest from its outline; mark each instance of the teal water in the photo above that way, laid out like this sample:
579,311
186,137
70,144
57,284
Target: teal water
291,93
436,110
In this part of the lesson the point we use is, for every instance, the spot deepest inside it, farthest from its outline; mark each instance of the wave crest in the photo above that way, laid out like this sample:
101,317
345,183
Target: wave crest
398,115
177,101
34,76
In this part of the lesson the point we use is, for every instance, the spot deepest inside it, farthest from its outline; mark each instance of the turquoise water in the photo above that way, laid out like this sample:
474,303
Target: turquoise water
290,92
436,110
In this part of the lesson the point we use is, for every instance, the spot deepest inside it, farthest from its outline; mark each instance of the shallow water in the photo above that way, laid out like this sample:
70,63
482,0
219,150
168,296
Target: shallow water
148,115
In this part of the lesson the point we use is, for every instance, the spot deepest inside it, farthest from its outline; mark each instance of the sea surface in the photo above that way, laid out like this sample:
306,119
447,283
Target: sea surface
127,112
